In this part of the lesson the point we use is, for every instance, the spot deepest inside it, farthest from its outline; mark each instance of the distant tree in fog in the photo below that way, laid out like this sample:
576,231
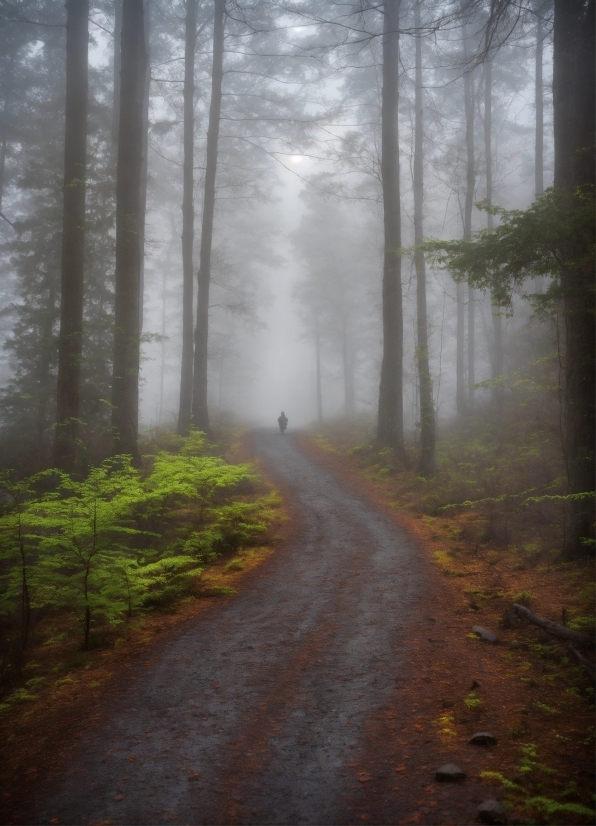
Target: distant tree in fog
188,215
390,427
200,411
427,460
73,236
129,218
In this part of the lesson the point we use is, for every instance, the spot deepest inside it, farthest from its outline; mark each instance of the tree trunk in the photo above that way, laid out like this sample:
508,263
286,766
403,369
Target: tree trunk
573,97
116,100
188,218
200,411
144,168
318,355
348,369
539,106
468,206
46,391
498,357
460,383
125,379
73,236
539,101
390,428
427,460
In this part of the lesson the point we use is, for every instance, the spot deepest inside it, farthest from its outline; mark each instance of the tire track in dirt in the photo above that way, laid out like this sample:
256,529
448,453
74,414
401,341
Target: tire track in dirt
259,712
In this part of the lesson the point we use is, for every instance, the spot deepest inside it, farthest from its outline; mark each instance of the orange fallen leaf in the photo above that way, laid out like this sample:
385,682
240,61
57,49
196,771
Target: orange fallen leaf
400,768
131,758
364,777
119,797
194,775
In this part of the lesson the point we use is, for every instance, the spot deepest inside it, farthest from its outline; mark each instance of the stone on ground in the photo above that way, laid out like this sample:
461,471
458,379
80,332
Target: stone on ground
491,811
449,773
485,634
483,738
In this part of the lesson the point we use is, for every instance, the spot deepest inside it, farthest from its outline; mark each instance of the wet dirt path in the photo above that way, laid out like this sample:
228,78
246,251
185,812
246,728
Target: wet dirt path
259,712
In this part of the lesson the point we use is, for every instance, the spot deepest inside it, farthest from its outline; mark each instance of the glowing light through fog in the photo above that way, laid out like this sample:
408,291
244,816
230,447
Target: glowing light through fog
296,159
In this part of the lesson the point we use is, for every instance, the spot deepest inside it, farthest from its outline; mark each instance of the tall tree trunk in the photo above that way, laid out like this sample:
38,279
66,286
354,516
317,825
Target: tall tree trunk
498,356
468,206
318,356
390,427
188,218
427,461
573,98
46,390
348,370
73,236
539,101
125,379
460,380
164,319
200,411
116,100
144,168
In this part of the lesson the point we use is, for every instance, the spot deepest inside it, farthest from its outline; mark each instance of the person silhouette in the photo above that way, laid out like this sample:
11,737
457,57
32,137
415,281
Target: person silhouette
282,422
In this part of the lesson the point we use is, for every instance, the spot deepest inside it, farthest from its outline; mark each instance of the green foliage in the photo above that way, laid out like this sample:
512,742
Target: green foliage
507,784
551,807
526,244
472,701
120,543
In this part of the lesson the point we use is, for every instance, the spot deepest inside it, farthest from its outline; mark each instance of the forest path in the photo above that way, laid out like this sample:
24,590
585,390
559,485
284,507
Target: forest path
262,711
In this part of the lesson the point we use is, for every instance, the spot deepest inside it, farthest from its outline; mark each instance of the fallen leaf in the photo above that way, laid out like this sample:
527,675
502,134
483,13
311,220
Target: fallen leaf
131,758
364,777
400,768
194,775
119,797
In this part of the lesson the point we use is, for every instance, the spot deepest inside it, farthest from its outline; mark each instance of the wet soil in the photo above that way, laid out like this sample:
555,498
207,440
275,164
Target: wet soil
287,703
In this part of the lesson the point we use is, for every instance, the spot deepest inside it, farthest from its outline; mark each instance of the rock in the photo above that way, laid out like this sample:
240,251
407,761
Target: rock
449,773
483,738
485,635
491,811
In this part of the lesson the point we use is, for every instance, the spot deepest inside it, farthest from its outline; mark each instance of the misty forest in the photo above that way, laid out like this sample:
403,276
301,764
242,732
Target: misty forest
377,220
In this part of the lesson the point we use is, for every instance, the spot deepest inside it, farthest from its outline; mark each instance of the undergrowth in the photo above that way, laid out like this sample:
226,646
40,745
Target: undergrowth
80,558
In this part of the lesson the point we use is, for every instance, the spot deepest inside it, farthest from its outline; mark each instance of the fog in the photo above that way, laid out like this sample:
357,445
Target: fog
286,218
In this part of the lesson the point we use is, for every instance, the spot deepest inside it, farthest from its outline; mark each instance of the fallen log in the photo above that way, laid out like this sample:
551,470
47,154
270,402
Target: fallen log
587,664
559,631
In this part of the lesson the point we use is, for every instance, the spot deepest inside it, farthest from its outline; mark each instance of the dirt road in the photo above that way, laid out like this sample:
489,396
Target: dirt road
261,712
